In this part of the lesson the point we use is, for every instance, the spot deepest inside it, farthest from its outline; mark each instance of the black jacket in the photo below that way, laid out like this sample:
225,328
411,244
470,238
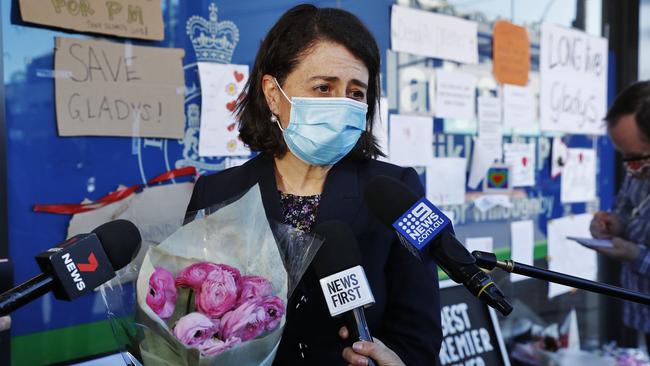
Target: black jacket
406,315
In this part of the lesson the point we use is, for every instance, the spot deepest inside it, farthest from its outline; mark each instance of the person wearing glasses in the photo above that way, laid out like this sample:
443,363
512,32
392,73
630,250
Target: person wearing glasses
628,225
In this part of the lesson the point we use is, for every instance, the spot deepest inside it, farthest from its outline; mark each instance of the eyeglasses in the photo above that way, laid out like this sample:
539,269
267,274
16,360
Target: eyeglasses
636,158
636,163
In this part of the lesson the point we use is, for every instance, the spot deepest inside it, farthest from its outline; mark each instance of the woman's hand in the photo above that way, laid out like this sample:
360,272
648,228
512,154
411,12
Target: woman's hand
622,250
605,225
360,351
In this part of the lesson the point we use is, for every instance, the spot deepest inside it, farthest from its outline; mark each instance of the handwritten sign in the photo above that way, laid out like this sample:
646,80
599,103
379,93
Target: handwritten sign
110,89
511,53
455,95
573,67
519,108
428,34
123,18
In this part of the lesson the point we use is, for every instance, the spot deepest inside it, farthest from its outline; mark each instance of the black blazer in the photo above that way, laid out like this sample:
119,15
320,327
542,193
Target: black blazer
406,315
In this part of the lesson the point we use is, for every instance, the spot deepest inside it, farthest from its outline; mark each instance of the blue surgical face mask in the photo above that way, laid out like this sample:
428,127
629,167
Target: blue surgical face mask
322,131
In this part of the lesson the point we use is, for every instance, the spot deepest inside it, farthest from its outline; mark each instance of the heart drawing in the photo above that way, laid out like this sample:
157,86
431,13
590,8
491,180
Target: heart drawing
231,105
497,178
239,76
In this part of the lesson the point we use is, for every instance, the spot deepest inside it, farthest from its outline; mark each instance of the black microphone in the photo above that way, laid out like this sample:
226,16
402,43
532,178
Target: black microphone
343,281
417,221
78,265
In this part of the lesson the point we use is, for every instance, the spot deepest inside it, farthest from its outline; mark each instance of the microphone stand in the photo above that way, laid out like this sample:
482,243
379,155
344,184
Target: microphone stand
489,261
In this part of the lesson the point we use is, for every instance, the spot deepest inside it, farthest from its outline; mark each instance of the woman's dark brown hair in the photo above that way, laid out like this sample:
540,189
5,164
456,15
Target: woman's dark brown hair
283,48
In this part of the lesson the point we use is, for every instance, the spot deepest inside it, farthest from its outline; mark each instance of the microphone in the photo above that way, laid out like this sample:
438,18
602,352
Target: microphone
78,265
417,222
343,281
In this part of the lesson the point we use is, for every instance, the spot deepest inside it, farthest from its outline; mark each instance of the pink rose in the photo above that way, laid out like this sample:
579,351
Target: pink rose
195,328
245,322
217,294
214,346
161,297
193,275
254,287
274,308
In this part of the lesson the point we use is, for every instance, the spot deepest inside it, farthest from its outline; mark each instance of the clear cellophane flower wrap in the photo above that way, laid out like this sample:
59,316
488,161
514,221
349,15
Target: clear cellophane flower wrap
236,234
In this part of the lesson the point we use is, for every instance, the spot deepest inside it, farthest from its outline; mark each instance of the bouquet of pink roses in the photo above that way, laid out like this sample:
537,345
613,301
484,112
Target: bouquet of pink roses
215,291
228,308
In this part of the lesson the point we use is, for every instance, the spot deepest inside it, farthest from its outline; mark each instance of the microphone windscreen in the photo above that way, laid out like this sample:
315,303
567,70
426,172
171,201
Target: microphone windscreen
338,252
389,198
121,241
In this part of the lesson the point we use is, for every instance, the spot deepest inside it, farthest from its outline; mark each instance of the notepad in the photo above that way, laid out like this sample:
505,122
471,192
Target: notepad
593,243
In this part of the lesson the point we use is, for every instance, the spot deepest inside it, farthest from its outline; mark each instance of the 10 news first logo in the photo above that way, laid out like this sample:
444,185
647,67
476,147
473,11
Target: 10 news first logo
346,290
421,223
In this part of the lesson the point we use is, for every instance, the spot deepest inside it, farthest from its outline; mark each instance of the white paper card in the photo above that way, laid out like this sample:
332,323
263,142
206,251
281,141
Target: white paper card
489,109
410,140
483,156
433,35
573,70
522,159
446,181
221,85
578,182
490,129
567,256
380,128
522,244
455,95
483,244
559,155
519,108
489,201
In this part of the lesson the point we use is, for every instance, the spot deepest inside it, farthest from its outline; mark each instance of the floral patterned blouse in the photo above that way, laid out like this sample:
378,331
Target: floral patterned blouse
299,211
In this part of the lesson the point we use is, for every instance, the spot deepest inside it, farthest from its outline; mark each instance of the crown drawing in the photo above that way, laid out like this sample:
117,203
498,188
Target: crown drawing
212,41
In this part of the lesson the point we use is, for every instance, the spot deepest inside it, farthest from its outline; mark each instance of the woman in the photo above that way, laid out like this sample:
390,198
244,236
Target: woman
308,110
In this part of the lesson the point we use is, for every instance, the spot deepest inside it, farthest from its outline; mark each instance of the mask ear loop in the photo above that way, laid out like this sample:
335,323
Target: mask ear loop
275,118
282,91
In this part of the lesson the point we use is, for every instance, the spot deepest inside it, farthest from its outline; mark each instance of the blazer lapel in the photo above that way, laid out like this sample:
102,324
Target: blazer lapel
341,198
264,174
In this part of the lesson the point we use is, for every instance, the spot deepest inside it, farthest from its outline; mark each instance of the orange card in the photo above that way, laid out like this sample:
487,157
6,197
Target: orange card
511,53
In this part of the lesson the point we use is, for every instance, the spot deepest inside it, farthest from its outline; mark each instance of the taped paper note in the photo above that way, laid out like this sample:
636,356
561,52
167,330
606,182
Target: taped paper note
522,159
567,256
428,34
110,93
446,181
410,141
221,86
579,176
522,244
